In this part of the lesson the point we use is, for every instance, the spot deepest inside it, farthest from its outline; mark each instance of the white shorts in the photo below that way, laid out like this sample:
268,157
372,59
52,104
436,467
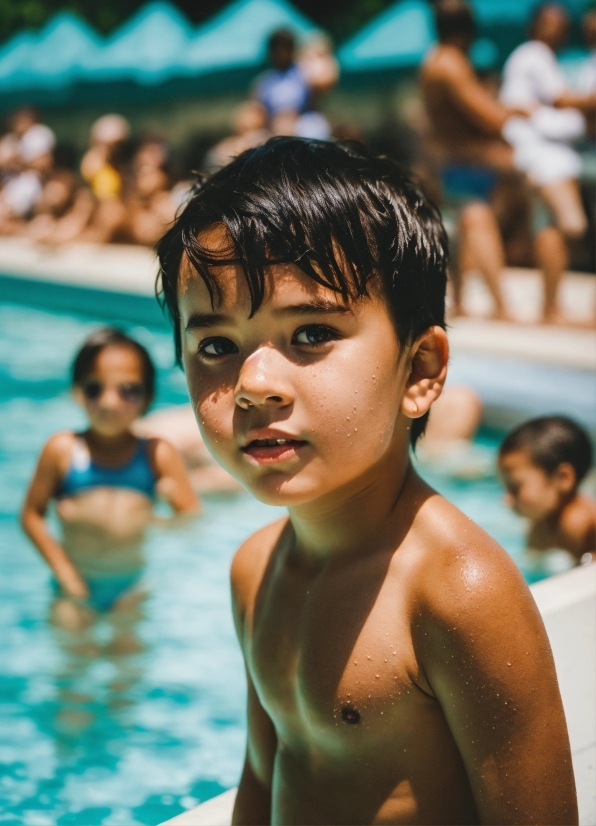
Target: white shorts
544,161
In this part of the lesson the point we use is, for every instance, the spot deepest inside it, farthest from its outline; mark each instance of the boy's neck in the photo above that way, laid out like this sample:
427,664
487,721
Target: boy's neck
354,519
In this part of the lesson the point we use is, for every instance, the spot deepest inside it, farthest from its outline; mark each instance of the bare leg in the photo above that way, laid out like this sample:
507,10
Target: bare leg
564,201
481,248
552,258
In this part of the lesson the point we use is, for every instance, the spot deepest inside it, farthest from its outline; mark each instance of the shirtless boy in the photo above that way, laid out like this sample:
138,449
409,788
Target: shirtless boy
398,669
543,462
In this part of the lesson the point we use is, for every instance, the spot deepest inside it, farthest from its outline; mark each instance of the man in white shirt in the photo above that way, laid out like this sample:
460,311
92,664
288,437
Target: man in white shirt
533,78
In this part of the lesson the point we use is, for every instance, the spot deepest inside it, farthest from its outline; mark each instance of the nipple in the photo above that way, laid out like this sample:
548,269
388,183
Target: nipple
350,715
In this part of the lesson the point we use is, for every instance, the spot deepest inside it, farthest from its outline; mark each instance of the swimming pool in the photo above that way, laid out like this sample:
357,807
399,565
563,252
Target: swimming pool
91,733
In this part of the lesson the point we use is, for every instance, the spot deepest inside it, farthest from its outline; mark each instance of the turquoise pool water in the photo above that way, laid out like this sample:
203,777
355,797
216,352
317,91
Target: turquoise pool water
90,734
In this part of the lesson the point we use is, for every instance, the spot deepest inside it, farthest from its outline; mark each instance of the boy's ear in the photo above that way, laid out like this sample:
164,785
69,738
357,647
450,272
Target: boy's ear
565,477
428,369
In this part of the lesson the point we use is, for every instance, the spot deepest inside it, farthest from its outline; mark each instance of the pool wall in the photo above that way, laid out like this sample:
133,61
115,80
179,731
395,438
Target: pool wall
568,606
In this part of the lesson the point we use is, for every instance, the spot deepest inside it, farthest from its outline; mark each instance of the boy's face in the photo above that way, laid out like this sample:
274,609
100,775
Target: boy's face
531,492
303,398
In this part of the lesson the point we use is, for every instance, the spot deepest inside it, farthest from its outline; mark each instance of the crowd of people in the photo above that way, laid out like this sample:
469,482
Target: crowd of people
503,157
124,190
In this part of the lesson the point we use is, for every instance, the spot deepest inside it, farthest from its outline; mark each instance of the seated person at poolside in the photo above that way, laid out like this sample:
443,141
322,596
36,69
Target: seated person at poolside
249,124
378,623
104,480
63,210
26,159
542,463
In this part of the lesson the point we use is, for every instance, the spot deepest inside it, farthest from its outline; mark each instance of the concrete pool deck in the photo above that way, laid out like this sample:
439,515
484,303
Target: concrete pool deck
567,603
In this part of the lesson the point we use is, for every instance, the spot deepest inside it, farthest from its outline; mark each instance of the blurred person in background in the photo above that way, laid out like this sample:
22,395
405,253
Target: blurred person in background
249,124
289,89
102,167
64,209
543,463
26,159
467,126
532,78
150,207
104,481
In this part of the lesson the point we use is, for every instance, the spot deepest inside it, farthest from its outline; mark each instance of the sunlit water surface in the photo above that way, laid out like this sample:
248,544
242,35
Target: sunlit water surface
91,730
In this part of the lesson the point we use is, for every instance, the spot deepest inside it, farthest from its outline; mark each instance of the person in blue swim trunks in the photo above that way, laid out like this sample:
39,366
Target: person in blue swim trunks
105,481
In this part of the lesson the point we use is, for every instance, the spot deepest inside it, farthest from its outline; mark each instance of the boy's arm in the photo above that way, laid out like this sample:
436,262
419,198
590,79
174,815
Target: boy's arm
173,482
487,658
42,488
253,801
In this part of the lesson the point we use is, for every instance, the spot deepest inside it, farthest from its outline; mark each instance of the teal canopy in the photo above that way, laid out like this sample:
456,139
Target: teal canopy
157,44
506,12
398,38
54,57
237,36
146,49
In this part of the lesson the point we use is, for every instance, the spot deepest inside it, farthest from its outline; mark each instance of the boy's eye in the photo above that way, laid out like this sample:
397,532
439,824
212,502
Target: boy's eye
217,346
314,334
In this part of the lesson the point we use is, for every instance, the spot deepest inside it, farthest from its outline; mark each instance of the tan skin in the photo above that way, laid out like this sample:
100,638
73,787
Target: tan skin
102,527
398,670
466,120
560,517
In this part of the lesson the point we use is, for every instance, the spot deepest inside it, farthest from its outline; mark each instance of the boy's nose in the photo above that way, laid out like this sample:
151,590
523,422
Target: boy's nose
261,381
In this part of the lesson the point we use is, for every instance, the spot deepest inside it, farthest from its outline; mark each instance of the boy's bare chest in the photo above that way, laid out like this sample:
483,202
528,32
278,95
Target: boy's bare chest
333,652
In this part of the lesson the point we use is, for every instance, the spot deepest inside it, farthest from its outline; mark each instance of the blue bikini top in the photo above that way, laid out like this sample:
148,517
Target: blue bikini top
83,473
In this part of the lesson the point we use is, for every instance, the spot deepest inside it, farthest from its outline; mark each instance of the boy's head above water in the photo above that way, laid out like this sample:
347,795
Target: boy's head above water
306,283
113,378
542,463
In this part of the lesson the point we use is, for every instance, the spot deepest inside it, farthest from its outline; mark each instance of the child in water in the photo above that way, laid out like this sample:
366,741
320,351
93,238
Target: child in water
542,463
398,668
104,481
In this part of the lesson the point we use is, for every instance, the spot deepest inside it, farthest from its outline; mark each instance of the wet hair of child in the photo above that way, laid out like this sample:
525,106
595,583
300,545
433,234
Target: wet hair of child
93,345
549,441
348,219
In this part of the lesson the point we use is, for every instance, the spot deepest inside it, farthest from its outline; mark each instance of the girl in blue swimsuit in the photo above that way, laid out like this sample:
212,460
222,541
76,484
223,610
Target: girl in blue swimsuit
105,480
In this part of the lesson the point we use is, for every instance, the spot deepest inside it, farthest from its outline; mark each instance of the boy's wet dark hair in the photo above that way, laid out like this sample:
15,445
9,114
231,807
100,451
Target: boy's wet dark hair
84,360
453,19
349,220
549,441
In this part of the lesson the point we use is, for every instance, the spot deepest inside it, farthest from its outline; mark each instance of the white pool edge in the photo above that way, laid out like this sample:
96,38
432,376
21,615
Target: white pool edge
567,603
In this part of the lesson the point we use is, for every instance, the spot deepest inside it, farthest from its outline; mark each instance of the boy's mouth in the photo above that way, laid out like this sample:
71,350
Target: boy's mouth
278,449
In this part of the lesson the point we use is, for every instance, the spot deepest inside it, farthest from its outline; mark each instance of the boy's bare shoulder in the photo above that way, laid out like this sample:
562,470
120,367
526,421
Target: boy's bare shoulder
461,573
250,562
